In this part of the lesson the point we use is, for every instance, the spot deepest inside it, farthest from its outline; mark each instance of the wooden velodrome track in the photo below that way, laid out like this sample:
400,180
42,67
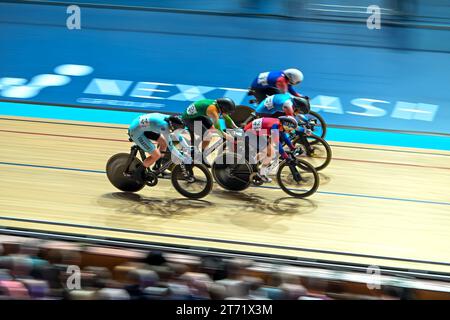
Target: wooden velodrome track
376,205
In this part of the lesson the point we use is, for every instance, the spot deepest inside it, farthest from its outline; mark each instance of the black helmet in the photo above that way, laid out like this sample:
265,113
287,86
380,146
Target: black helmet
175,122
301,104
226,105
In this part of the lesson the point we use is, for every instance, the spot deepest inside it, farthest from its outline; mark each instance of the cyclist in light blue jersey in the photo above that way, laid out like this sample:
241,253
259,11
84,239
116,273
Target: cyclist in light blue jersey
155,127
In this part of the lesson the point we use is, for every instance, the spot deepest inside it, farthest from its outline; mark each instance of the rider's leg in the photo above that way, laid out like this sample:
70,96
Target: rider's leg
155,153
266,159
152,158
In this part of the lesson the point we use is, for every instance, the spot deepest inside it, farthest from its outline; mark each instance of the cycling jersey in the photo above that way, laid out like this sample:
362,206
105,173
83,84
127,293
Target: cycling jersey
276,105
149,127
270,127
273,79
201,109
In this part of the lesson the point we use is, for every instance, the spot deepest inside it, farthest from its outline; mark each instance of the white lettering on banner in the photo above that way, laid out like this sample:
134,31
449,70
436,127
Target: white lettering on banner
190,93
327,104
371,111
146,90
108,87
414,111
20,88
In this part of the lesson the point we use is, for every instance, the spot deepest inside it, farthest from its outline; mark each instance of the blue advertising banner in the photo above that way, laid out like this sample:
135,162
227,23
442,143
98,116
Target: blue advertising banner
153,61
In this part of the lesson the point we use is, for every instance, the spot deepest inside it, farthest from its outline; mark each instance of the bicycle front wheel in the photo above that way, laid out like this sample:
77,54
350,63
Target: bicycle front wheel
298,179
194,181
319,155
320,129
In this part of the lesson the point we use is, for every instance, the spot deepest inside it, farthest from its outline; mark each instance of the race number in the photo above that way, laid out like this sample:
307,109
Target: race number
263,78
268,103
191,110
257,124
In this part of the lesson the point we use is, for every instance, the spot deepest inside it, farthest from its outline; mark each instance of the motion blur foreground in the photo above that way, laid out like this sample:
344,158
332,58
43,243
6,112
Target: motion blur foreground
376,229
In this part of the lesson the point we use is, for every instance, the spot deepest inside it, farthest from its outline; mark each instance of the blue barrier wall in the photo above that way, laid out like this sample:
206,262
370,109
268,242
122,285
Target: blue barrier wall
141,61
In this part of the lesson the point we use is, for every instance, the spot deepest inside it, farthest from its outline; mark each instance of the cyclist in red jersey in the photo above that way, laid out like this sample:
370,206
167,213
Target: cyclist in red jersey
269,133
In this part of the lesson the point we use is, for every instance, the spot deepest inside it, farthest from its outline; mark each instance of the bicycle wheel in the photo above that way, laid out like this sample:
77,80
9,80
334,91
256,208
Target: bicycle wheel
194,182
241,114
320,129
231,172
299,180
320,155
115,168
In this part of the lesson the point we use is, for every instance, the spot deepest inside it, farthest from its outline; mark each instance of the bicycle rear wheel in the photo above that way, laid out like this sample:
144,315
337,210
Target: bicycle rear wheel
194,182
299,180
115,169
231,172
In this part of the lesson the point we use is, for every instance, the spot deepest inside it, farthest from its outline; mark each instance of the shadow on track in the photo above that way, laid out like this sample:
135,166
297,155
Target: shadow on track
251,202
133,203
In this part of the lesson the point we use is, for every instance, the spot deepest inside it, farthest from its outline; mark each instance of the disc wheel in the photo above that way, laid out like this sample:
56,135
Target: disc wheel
197,185
115,168
241,114
320,155
232,172
302,186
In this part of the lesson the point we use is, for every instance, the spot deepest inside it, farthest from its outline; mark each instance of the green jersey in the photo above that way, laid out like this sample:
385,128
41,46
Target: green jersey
197,109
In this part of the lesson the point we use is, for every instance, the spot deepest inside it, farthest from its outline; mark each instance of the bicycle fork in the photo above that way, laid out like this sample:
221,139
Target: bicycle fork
189,176
134,150
297,176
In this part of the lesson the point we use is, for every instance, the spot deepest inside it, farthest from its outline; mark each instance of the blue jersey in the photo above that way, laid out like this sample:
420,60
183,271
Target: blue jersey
269,80
154,122
274,104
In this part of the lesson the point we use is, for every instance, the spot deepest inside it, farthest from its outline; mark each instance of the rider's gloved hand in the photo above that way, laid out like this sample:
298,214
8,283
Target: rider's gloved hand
298,151
284,156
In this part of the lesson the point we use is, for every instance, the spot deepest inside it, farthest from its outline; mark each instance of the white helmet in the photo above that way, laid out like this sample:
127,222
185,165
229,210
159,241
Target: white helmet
288,121
295,76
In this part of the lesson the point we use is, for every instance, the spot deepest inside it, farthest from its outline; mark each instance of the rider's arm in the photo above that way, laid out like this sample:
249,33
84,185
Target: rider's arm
288,108
211,112
285,138
179,137
229,122
293,92
282,84
174,150
279,139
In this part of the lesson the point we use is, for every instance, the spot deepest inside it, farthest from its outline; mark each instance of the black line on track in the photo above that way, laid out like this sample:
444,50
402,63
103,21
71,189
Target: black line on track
224,241
124,128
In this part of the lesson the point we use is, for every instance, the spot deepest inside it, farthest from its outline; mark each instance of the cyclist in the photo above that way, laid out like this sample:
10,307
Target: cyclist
207,112
154,127
282,104
270,132
273,82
